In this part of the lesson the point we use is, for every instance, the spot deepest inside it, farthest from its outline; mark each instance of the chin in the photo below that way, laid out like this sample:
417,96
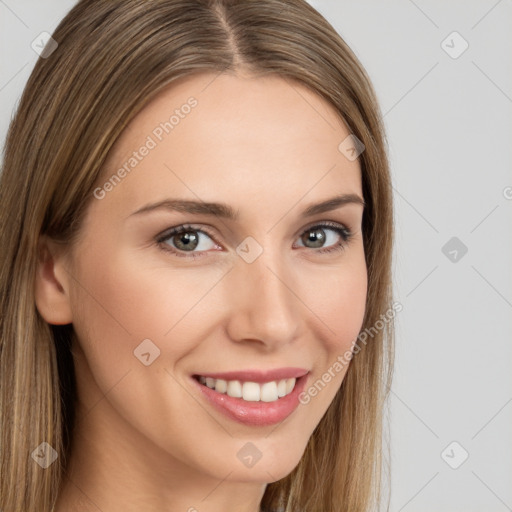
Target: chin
274,462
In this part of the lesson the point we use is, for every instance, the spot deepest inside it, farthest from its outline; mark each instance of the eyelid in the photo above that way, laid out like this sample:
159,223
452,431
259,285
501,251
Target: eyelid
206,229
182,228
323,222
343,230
187,227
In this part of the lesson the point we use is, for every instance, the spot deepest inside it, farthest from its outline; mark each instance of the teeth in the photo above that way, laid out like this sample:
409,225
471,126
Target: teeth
221,385
251,391
234,389
269,392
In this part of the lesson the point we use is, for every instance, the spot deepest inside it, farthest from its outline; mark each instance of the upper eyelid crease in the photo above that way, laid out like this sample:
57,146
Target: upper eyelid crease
227,212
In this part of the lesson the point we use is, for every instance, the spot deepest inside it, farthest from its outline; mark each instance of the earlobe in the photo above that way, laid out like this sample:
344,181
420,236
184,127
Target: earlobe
50,286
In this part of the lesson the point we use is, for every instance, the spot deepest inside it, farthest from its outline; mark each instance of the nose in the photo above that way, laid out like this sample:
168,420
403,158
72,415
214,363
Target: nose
263,307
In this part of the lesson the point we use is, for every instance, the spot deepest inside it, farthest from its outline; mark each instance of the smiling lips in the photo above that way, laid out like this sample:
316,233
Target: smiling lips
251,391
254,397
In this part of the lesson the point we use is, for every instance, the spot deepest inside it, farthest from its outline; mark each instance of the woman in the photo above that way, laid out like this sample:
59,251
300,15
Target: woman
196,230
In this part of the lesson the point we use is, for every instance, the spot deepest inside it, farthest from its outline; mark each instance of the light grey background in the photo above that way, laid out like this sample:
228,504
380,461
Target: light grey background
449,124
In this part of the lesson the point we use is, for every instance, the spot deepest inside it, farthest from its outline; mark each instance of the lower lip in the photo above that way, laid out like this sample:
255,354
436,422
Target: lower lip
255,413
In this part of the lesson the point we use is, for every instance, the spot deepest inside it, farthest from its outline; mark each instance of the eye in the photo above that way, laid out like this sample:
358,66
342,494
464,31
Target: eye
184,239
324,236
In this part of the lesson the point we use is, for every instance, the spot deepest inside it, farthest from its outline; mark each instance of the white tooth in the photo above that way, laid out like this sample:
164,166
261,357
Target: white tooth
251,391
221,385
281,388
269,392
234,389
290,383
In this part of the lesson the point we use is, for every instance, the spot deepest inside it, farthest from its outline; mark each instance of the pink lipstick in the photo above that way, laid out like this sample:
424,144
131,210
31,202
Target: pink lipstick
253,397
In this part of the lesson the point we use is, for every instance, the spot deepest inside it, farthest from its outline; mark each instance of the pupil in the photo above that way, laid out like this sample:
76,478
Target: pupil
317,237
187,240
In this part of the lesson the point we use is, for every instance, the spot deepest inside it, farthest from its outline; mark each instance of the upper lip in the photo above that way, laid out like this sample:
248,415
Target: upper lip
257,375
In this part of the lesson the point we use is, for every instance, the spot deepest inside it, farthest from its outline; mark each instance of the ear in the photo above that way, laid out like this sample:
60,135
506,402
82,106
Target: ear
51,284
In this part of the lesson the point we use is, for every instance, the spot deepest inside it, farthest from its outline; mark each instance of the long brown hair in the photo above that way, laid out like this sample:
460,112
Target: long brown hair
112,59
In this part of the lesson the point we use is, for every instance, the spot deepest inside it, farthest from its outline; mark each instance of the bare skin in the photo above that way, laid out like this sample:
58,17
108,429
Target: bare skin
145,438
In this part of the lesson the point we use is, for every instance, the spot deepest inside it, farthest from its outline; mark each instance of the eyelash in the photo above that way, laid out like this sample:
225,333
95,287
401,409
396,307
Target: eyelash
345,234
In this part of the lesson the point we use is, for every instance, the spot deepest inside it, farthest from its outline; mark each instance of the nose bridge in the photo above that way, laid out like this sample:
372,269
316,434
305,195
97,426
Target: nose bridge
263,304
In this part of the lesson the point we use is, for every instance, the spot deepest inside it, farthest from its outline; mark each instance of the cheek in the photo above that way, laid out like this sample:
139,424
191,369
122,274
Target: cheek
347,315
340,302
122,301
118,305
131,299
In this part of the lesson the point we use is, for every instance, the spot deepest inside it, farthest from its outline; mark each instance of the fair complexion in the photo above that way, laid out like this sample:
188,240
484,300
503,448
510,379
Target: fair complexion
146,438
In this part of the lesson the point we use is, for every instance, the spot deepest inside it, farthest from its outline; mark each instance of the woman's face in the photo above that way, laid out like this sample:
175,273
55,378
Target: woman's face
263,295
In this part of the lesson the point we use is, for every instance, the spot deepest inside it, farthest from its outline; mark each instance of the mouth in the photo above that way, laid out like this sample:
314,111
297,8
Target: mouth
250,391
254,397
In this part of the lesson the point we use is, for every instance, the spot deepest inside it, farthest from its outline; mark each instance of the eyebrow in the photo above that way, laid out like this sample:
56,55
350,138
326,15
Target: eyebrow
227,212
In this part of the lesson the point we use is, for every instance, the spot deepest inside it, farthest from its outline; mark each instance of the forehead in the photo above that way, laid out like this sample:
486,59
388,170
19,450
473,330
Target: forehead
226,137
